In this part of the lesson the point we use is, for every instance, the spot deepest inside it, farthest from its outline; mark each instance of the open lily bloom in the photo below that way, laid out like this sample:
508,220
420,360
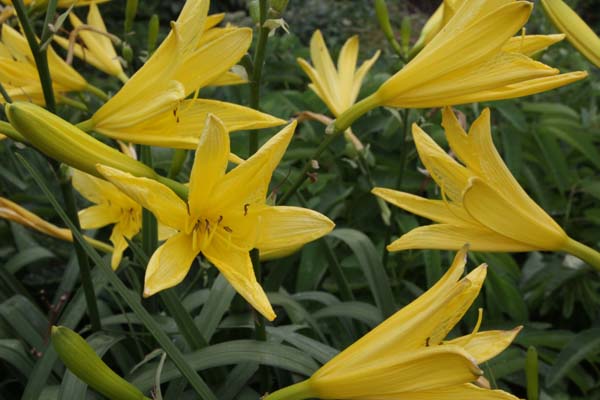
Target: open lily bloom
13,212
466,62
483,204
226,215
338,88
151,108
406,356
19,72
581,36
98,50
111,207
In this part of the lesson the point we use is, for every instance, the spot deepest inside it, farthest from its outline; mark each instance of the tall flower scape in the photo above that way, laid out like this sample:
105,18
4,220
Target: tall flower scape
206,263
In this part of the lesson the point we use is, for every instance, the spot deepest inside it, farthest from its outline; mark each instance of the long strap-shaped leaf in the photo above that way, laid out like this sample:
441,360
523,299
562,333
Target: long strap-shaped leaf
132,301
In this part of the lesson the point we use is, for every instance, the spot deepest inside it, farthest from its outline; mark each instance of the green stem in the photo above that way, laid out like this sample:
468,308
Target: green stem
5,94
583,252
260,329
179,188
49,19
403,149
258,63
297,391
73,103
82,259
386,27
338,274
97,92
333,131
179,157
39,56
130,298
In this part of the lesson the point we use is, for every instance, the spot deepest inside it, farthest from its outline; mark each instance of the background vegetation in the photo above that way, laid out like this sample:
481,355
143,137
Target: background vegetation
549,141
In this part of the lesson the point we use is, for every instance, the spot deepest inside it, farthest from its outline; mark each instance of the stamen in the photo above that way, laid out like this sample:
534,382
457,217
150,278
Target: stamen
476,328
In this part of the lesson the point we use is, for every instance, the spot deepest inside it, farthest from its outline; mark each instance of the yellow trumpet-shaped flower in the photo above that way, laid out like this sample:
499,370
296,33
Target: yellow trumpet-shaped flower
225,216
578,32
19,72
13,212
338,88
111,207
465,62
151,108
406,357
99,50
483,204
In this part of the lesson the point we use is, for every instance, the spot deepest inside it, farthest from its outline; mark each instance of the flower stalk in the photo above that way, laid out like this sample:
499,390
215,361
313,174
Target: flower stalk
583,252
298,391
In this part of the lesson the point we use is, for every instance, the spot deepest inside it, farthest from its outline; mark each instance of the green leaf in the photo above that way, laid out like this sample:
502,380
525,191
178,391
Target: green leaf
370,262
13,352
27,257
363,312
584,345
233,353
220,297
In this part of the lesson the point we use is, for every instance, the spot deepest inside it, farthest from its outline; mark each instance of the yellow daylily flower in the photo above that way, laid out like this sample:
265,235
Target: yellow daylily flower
581,36
151,108
465,62
19,72
225,216
483,204
111,207
99,50
406,357
13,212
338,88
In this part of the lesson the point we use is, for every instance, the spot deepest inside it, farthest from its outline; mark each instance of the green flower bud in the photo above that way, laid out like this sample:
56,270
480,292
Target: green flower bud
127,52
153,26
66,143
130,11
279,5
254,10
83,361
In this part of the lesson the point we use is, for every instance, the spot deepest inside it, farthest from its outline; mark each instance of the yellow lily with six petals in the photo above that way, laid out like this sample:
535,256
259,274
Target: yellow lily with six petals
406,356
578,32
225,216
465,63
151,108
483,204
111,207
99,50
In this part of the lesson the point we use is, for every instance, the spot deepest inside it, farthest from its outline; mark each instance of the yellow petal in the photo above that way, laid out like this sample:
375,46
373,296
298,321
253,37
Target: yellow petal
485,345
168,208
519,89
284,227
435,210
213,59
456,392
98,216
361,72
450,176
502,215
346,67
98,190
420,370
235,264
126,229
325,67
452,237
210,163
169,264
229,78
319,86
531,44
578,32
14,212
213,20
248,182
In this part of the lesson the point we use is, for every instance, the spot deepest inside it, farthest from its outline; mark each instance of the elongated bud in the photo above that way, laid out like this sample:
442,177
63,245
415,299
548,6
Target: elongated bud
68,144
254,11
532,374
127,52
130,11
279,6
153,26
82,360
384,23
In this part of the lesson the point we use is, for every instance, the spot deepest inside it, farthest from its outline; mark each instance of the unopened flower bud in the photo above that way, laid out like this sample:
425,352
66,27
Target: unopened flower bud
66,143
81,359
